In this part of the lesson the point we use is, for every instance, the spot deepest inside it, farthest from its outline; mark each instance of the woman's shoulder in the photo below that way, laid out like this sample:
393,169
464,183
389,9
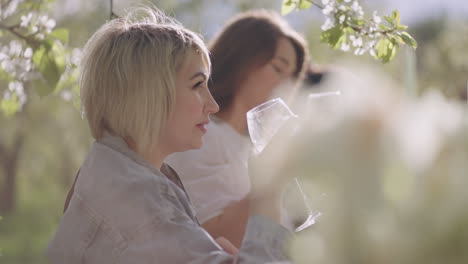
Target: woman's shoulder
109,180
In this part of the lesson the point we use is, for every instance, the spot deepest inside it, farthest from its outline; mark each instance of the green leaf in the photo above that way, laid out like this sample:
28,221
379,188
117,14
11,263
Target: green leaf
402,27
70,81
399,39
358,22
59,57
37,56
287,7
389,20
51,63
386,49
383,27
392,48
334,36
304,4
396,17
60,34
408,39
349,30
381,48
10,106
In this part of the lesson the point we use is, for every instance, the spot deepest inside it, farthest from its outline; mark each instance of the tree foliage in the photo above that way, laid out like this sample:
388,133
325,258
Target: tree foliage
346,27
36,55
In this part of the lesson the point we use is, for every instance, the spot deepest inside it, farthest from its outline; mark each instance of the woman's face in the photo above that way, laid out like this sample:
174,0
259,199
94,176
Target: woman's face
260,83
187,123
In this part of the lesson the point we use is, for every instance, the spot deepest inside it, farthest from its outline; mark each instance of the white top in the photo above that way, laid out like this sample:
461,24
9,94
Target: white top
216,175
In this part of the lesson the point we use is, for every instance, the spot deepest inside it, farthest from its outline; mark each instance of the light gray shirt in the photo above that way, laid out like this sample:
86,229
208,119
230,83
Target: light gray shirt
126,211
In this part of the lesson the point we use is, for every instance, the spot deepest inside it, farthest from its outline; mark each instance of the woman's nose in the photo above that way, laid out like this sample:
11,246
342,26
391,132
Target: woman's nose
210,105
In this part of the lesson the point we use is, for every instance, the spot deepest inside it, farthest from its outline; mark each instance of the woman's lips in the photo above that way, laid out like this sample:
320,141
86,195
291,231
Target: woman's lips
202,126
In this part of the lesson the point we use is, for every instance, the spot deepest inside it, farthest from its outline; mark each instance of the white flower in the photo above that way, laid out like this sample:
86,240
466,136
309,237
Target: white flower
325,2
22,99
342,7
15,48
376,18
6,95
8,66
26,19
25,64
11,8
329,23
16,87
344,46
357,42
372,52
50,24
43,19
76,56
329,9
359,51
3,56
342,19
66,95
28,53
373,29
355,7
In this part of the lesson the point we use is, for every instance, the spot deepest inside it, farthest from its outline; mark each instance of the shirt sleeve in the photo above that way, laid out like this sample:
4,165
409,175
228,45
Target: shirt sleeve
186,242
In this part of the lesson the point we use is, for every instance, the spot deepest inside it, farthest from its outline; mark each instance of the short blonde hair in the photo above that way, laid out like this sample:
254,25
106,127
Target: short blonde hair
128,72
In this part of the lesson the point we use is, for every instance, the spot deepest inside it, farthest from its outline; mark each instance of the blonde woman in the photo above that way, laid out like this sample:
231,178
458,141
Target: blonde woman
253,55
144,93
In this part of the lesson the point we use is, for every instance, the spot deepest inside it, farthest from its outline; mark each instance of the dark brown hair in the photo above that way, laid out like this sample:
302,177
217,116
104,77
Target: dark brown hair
249,40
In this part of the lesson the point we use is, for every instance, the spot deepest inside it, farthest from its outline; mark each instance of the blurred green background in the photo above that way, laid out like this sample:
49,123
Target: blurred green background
42,147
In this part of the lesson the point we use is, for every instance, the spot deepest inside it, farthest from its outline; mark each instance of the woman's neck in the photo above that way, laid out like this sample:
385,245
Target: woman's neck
235,116
156,159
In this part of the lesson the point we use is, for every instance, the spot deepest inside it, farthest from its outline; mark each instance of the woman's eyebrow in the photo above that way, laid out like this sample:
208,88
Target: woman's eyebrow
202,74
283,60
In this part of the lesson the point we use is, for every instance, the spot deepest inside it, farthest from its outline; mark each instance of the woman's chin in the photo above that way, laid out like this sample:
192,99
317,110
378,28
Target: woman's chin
193,145
197,145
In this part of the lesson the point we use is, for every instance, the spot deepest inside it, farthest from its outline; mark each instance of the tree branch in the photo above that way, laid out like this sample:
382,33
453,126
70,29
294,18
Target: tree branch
12,30
111,9
28,38
3,155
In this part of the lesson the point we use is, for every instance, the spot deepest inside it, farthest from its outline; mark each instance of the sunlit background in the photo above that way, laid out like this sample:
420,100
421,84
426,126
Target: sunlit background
42,147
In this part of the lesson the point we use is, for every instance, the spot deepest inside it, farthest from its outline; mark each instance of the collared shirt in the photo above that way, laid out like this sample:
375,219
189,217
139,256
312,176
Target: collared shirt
124,210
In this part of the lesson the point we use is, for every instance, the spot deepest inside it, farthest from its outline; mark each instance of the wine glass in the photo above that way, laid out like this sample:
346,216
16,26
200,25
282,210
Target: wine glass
263,122
312,215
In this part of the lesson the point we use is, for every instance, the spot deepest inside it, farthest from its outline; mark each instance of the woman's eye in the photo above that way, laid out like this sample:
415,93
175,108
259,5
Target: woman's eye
198,84
277,69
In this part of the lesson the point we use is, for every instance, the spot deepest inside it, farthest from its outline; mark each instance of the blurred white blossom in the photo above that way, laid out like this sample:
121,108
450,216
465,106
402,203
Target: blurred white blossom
26,30
394,169
329,23
376,18
10,8
26,20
